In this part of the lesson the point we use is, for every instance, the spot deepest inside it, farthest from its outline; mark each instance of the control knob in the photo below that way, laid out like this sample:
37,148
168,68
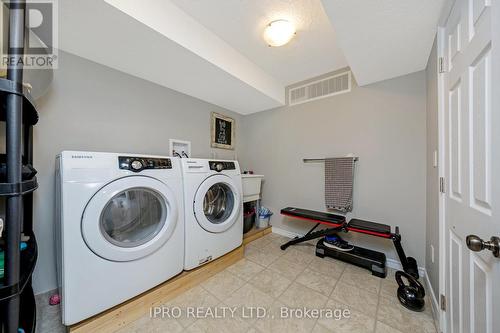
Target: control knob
136,165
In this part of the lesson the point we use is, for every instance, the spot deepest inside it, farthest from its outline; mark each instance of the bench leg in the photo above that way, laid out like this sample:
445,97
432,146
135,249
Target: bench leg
311,234
409,263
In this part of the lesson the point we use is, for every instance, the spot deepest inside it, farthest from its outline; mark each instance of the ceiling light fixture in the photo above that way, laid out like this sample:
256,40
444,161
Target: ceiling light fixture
278,33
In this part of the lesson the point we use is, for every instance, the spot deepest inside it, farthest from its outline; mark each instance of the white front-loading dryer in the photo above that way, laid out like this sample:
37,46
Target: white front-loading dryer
213,209
120,228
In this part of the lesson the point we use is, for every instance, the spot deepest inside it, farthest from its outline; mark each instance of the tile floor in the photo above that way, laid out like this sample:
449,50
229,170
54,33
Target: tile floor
291,279
48,318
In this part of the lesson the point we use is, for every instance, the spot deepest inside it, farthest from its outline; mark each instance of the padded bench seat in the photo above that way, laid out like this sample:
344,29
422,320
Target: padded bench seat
319,217
355,225
362,225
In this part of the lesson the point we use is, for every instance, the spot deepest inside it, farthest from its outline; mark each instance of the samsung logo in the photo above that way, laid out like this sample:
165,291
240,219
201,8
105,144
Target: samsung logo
81,156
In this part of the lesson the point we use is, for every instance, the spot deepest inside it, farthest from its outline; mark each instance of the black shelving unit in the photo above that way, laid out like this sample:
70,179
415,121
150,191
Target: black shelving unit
17,183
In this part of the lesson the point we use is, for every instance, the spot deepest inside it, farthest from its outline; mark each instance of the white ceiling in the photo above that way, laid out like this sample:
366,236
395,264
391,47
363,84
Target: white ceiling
214,50
312,52
384,39
156,41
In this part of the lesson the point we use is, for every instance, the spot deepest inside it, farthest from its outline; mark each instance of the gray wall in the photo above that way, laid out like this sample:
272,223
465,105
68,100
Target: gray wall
92,107
432,228
95,108
383,124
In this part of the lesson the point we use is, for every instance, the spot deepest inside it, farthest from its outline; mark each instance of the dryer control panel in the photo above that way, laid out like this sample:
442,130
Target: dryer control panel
221,166
137,164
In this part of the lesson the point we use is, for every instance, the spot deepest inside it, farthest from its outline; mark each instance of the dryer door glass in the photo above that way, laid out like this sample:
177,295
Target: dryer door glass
133,217
130,218
218,203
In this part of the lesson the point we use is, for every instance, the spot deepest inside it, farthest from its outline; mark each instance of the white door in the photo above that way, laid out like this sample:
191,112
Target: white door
472,167
129,218
217,203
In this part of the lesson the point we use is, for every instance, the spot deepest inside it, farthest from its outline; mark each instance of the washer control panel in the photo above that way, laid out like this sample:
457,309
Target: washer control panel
137,164
220,166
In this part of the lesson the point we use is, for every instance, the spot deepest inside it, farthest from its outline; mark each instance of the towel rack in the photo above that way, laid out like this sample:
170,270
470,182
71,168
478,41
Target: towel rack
317,160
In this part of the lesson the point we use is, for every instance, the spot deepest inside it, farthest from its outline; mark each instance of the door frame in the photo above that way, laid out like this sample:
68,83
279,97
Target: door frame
441,47
441,40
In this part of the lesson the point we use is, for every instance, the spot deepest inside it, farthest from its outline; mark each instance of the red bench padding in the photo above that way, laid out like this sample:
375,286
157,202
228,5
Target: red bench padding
355,225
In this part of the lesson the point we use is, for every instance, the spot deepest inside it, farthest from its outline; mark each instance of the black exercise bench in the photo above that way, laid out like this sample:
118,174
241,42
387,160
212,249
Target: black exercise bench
369,259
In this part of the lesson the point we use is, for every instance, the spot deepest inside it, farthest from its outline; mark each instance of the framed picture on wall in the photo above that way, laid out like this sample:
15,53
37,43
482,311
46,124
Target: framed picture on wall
222,130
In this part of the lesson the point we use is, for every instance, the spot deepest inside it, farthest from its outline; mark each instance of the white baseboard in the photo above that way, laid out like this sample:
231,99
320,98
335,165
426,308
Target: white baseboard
284,232
435,304
396,264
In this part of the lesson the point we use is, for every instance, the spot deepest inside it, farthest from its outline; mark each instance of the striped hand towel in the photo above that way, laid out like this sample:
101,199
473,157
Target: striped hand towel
339,180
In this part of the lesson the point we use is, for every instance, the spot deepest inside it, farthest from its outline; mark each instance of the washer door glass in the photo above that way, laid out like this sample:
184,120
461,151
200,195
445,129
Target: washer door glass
133,217
217,203
130,218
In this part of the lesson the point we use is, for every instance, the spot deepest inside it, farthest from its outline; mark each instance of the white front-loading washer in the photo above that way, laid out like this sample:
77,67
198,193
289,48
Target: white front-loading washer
120,228
213,209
